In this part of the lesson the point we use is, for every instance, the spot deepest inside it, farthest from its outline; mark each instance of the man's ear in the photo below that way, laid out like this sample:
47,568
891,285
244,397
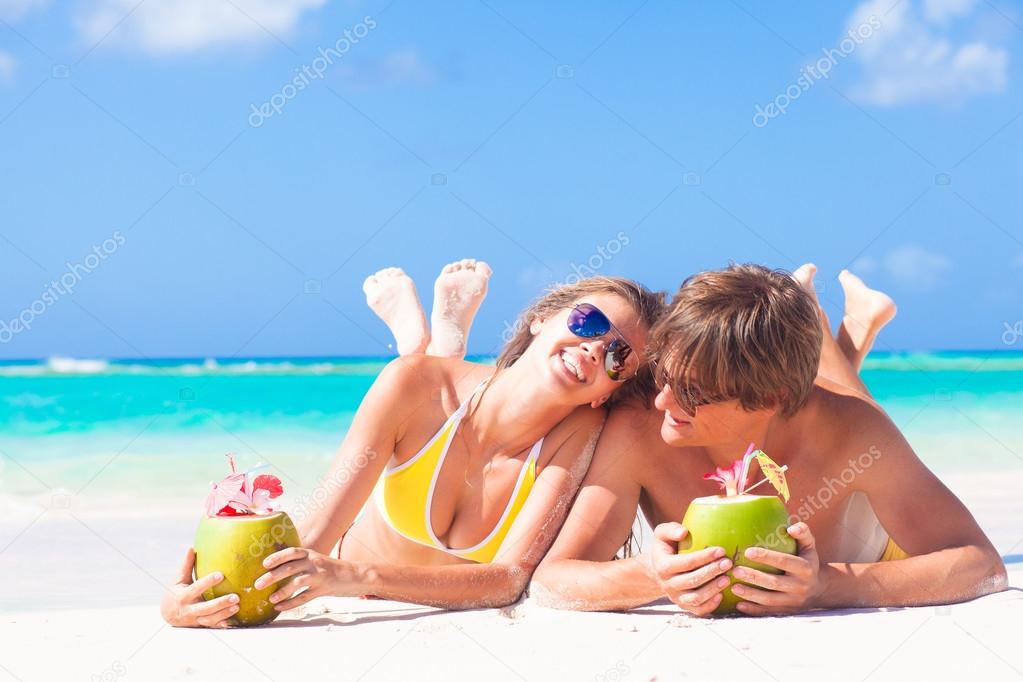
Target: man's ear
776,404
535,325
600,401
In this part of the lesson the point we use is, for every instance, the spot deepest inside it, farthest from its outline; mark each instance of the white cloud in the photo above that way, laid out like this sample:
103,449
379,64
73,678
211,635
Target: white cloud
7,68
175,26
403,67
914,55
865,265
14,10
916,267
939,11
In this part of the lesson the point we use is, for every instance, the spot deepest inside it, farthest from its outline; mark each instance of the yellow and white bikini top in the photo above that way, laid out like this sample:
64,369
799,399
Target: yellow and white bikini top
404,493
862,538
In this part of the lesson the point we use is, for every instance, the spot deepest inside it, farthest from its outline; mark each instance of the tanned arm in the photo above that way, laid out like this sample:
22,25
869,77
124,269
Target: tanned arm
498,583
578,572
952,560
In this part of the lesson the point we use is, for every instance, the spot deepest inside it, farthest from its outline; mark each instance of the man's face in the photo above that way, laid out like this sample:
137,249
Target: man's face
714,422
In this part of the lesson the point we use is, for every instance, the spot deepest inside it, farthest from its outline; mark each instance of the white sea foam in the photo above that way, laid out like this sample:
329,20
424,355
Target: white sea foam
61,365
209,366
979,361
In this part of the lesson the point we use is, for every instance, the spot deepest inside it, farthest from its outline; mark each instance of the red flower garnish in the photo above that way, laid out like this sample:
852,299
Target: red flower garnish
272,484
236,495
728,478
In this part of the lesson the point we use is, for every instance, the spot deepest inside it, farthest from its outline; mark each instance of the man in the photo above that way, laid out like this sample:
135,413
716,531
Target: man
737,362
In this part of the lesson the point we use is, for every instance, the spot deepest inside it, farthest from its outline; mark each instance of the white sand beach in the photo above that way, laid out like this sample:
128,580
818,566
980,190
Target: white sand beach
81,596
352,639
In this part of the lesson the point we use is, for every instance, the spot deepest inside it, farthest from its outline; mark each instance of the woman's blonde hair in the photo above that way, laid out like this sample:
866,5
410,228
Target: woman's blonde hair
648,305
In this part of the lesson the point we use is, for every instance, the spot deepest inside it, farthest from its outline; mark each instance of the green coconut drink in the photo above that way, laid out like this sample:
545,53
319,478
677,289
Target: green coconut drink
737,521
236,546
239,530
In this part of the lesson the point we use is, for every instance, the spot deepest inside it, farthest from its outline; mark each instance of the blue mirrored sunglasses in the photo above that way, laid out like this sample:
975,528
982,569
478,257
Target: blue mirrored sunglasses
588,321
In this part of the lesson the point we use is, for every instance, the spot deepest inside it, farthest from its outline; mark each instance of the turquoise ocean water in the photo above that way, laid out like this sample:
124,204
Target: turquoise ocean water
146,430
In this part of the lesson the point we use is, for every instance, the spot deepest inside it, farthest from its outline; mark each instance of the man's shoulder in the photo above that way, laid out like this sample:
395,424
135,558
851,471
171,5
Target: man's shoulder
634,422
633,435
835,416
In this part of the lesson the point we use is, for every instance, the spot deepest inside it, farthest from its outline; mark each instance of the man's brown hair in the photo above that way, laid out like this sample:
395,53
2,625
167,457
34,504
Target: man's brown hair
746,333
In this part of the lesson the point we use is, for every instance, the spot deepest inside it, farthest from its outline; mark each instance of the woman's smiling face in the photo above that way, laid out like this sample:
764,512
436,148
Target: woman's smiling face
577,365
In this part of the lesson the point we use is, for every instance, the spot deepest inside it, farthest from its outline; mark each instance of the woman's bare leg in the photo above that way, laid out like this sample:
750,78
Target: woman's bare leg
866,311
457,294
834,366
391,294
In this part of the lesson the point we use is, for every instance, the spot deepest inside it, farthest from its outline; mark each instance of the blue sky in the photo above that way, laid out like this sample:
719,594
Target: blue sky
528,135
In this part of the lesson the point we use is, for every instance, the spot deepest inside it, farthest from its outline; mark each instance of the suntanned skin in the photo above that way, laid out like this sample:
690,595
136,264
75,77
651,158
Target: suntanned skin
649,459
536,397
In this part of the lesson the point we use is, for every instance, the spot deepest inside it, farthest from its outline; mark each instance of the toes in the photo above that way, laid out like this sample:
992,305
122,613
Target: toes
468,265
804,277
369,283
847,278
804,273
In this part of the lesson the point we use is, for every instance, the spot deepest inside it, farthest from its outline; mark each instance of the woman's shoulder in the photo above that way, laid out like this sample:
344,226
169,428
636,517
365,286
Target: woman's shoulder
581,425
446,379
627,419
583,418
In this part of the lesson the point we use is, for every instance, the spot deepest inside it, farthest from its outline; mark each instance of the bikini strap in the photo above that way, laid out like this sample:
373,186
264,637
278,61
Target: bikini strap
534,454
465,406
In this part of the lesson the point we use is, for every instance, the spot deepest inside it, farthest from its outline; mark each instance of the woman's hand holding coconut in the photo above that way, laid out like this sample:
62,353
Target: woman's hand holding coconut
183,605
311,574
794,590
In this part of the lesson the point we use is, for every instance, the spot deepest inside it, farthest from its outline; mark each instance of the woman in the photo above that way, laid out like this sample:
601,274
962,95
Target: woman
476,464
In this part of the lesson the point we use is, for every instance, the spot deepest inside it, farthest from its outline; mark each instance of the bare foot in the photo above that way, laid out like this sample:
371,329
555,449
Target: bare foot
866,312
834,364
391,294
457,294
804,278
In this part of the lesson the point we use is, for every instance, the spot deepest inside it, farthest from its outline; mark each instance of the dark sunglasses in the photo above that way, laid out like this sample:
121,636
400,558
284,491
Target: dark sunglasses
688,398
588,322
